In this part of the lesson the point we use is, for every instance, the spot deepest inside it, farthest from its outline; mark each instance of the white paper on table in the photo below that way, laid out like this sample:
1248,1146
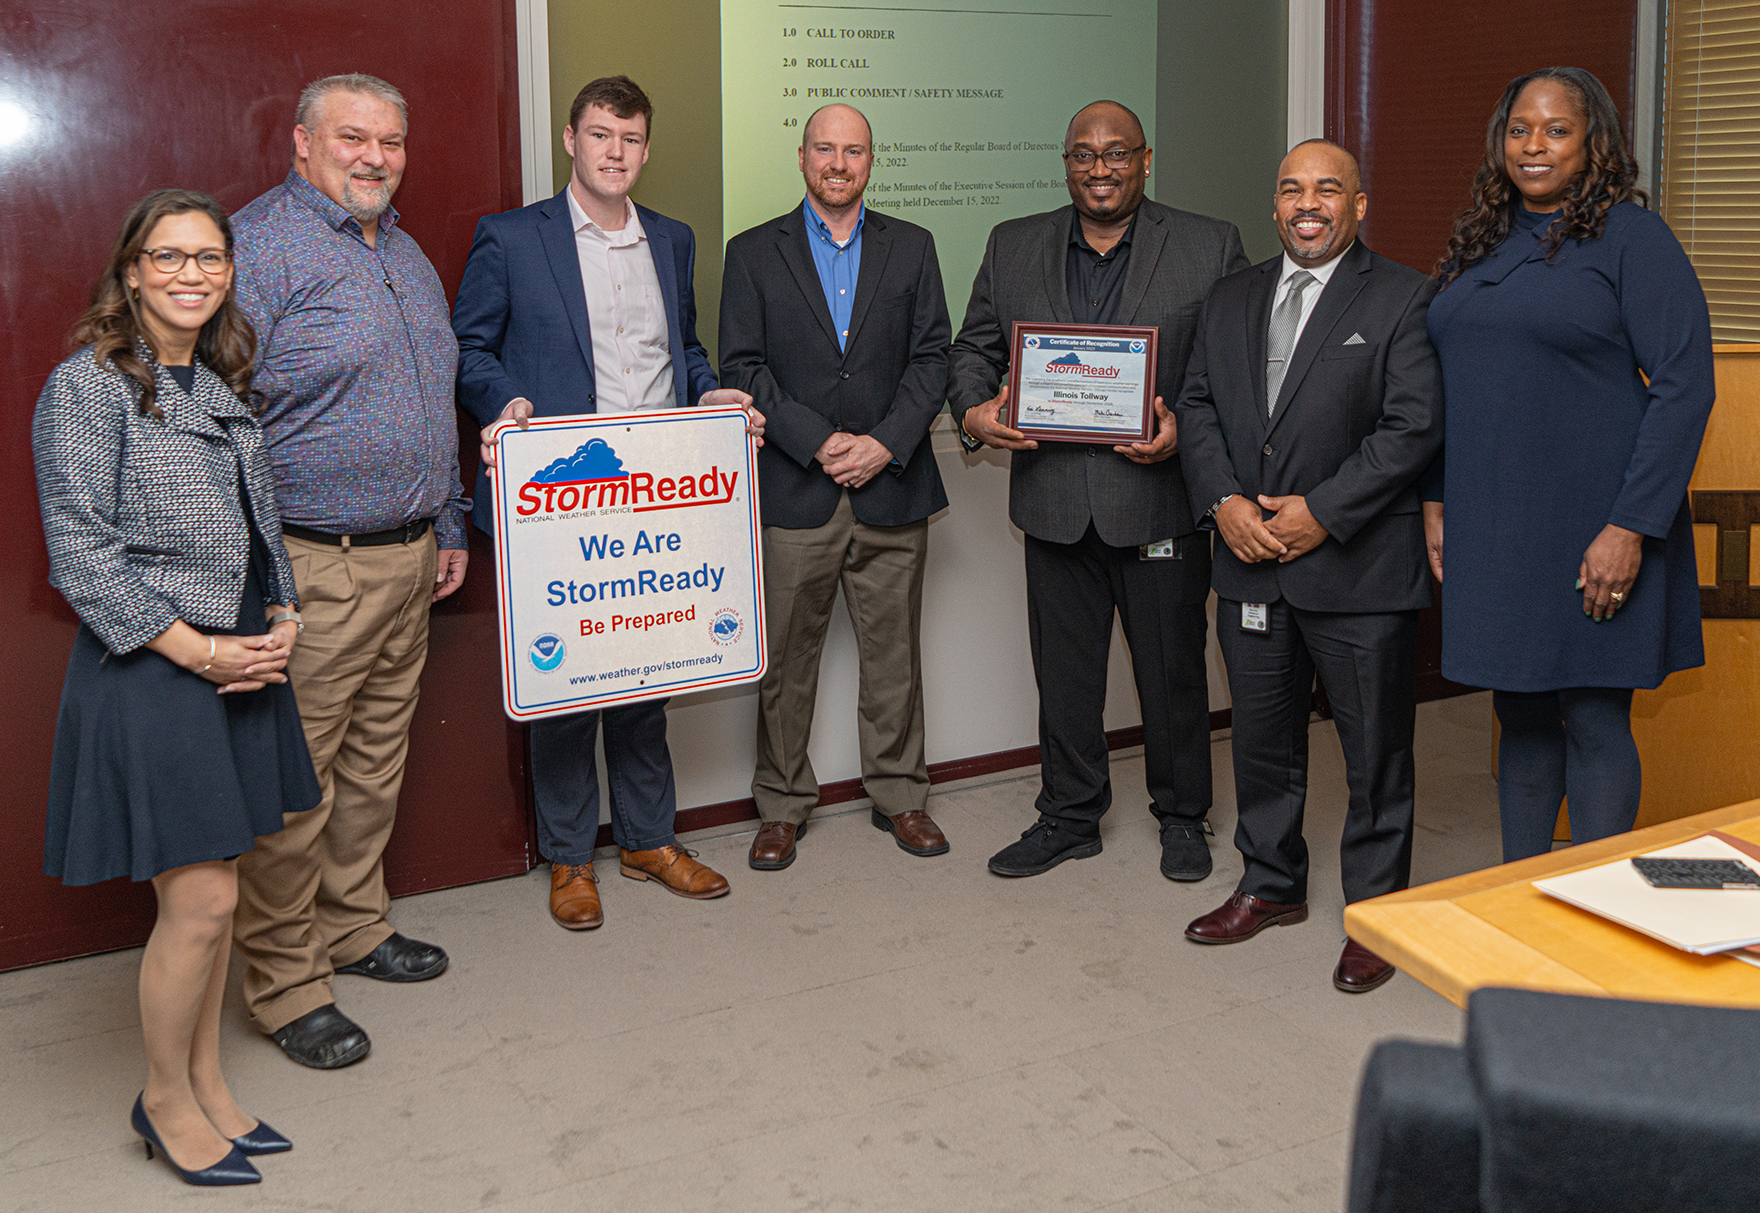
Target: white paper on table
1701,921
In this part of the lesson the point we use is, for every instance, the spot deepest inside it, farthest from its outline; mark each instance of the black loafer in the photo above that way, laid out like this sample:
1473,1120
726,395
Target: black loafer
399,959
1185,855
1046,844
324,1039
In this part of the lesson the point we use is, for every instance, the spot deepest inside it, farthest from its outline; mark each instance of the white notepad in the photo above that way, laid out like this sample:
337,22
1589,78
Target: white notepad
1702,921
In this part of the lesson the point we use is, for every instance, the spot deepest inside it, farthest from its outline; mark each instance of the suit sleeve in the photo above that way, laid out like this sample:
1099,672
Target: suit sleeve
1406,439
1204,460
923,388
790,426
479,321
1234,256
979,357
699,374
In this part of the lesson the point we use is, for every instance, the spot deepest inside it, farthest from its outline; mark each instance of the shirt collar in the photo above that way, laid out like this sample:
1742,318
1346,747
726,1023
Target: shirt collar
823,229
329,210
632,222
1079,238
1322,273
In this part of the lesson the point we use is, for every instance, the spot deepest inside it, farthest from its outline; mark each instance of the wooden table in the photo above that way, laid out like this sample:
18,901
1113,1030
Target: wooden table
1494,928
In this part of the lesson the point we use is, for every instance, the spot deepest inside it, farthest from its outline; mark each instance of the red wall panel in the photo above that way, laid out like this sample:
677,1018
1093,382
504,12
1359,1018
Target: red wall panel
124,98
1410,86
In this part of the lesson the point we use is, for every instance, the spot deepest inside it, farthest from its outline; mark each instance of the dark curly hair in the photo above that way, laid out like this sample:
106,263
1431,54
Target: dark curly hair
1610,178
112,324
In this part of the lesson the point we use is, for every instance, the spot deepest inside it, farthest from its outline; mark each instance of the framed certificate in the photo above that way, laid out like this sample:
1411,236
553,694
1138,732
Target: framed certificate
1083,382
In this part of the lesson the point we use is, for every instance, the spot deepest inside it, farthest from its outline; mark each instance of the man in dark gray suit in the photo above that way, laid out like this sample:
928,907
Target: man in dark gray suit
833,318
1305,441
1107,529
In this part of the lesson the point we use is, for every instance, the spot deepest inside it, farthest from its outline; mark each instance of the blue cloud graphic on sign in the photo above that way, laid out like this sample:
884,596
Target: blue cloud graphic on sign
1069,359
594,460
725,626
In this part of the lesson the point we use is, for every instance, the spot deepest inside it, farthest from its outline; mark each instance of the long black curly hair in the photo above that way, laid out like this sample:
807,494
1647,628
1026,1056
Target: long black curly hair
1609,178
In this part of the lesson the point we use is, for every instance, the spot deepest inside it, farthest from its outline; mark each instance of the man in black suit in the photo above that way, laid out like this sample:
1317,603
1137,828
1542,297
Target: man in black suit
833,317
1107,529
1304,442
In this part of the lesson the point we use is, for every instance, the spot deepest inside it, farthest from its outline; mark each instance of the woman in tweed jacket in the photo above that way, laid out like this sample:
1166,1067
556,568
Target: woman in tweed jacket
178,741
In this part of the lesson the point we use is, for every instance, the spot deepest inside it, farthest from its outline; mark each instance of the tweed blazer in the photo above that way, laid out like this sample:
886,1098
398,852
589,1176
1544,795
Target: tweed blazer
1057,490
143,517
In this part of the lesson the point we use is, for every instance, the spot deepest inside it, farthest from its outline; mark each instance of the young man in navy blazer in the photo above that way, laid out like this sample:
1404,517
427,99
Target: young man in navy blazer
583,303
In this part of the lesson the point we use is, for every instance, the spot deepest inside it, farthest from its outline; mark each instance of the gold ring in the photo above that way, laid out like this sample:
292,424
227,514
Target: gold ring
1617,596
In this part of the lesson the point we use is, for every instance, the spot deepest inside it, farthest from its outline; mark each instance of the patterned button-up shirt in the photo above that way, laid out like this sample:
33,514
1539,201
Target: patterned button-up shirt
356,360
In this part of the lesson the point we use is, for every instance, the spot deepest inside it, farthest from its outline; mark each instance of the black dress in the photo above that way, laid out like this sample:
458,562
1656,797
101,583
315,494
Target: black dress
153,770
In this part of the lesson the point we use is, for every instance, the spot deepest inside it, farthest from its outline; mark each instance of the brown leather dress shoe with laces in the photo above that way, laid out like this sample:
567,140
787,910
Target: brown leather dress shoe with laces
574,896
676,870
1360,970
773,848
914,831
1243,916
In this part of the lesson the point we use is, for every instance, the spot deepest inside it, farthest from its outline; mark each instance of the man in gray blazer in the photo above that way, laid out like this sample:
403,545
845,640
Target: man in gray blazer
1107,528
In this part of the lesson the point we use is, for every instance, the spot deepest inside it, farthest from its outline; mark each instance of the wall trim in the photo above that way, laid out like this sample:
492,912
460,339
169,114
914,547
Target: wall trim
1307,71
531,20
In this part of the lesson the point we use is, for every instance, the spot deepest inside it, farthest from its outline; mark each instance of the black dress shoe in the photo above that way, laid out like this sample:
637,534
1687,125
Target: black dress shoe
399,959
1185,855
324,1039
1046,844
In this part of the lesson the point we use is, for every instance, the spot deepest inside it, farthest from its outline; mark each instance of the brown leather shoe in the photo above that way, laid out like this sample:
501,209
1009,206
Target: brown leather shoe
574,896
914,831
773,848
1243,916
1360,970
676,871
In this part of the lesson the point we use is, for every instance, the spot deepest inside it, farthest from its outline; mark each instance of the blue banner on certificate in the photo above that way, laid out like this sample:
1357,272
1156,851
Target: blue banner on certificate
1083,382
627,554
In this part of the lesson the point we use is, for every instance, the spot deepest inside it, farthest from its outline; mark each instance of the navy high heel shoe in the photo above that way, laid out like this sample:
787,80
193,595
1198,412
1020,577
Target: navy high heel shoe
229,1171
262,1140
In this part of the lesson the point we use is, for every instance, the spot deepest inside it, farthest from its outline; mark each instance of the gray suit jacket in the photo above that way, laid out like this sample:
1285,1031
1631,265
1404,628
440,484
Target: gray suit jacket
1057,490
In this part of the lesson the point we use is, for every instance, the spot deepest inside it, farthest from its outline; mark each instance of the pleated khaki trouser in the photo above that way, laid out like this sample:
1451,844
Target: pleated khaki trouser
881,571
312,897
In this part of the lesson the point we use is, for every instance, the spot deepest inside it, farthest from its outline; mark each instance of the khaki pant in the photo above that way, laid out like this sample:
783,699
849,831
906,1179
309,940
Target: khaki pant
881,571
312,897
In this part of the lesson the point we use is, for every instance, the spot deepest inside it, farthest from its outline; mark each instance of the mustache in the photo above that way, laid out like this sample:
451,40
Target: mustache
370,174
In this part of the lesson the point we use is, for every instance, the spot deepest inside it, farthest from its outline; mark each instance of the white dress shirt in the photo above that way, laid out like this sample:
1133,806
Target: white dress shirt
632,350
1322,275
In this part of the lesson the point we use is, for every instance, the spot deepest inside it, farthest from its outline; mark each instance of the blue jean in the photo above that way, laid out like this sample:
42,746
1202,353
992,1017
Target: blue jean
1574,743
565,781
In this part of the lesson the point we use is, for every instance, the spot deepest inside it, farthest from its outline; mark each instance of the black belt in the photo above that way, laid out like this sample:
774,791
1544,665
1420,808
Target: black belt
409,532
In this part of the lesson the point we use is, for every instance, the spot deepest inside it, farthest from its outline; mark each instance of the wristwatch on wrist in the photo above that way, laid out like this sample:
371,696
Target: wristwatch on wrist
284,615
1212,510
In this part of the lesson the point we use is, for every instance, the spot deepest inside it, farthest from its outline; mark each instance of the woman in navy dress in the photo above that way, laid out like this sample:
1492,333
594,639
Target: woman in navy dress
1576,357
178,741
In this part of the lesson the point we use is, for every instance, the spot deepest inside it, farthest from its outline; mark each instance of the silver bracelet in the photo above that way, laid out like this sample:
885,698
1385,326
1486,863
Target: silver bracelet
210,664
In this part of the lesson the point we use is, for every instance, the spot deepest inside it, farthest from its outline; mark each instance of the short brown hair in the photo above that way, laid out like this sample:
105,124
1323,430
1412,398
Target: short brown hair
619,94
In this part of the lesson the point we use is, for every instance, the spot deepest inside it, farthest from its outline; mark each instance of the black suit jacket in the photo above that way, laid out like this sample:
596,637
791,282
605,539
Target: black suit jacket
1057,490
1356,424
888,381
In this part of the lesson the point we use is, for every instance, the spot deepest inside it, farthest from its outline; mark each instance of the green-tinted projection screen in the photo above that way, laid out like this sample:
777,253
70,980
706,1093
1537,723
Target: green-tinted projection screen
968,99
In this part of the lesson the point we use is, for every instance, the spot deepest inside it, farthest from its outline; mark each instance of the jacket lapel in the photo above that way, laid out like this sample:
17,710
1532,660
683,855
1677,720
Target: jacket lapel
556,232
876,247
1148,239
1259,296
1055,265
1346,284
791,243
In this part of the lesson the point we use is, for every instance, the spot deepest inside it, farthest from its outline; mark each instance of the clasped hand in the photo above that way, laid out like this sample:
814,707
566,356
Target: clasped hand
1291,531
852,459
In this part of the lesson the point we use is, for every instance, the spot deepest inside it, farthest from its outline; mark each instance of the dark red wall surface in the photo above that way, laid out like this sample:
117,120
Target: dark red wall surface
124,98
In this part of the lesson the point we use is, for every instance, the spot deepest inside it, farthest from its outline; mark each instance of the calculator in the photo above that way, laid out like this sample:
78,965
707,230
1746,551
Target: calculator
1697,873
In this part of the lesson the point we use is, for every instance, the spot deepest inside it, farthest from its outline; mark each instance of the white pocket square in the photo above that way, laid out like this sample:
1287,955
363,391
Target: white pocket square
1355,339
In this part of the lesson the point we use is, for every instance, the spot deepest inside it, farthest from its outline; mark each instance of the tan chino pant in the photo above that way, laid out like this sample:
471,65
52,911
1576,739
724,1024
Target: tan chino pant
312,897
881,571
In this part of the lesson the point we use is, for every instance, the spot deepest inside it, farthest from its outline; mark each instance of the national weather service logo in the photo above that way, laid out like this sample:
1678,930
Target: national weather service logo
1032,343
726,627
547,651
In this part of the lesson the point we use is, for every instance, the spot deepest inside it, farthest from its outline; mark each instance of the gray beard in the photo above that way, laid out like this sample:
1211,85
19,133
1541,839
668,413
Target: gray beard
365,208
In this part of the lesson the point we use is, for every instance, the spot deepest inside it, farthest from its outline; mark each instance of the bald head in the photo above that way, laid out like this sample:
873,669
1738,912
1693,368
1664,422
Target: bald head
839,116
1330,157
1113,114
1320,202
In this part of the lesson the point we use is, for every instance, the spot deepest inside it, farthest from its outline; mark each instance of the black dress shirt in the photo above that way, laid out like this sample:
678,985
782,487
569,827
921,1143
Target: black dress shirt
1095,281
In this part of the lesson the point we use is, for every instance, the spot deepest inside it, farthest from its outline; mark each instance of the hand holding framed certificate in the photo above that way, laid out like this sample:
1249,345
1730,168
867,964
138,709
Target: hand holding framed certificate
1083,382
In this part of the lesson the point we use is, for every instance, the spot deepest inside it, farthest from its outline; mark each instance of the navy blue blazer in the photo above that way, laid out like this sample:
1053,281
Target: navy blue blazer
522,324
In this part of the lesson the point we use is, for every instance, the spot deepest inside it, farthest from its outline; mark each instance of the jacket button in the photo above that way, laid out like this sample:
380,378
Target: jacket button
1266,451
843,374
1090,452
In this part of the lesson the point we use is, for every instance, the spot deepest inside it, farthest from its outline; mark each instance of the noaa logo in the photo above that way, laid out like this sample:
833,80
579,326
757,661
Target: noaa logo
547,651
726,627
1032,343
1138,347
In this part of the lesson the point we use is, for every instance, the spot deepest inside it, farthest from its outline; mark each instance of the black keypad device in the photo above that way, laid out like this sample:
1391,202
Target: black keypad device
1697,873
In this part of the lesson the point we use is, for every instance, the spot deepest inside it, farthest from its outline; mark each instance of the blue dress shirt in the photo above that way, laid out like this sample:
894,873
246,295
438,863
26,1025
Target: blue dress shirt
838,266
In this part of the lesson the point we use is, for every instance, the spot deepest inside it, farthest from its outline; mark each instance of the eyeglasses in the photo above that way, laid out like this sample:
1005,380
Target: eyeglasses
1115,157
172,260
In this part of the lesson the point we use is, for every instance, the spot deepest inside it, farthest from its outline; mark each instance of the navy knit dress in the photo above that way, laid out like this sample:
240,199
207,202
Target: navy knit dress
1551,434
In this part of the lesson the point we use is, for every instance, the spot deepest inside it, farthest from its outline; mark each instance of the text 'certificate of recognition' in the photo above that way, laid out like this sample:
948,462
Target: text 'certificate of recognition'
626,550
1083,382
